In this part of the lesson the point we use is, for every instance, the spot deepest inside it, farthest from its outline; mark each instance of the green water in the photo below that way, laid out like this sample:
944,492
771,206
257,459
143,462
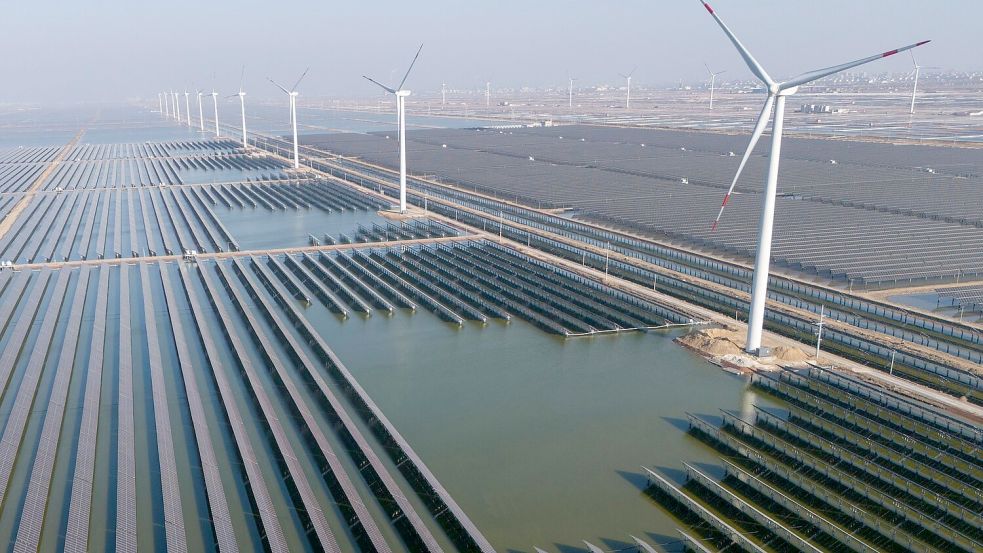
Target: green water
539,439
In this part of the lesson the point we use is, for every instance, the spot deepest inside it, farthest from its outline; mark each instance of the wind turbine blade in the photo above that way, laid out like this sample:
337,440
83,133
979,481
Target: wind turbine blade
633,69
384,87
412,63
302,75
752,63
276,84
708,69
719,72
820,73
759,127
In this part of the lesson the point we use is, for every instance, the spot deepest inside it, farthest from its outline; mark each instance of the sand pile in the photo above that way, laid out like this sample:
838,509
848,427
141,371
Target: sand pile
713,342
725,347
789,355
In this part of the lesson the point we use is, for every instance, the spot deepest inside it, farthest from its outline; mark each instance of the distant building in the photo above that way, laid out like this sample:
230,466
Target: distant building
816,108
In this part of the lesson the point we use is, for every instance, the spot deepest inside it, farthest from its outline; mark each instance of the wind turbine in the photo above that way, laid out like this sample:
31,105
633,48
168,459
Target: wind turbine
177,107
777,93
570,92
160,102
487,93
915,87
713,79
400,93
443,93
628,96
292,94
187,108
242,106
218,133
201,115
167,105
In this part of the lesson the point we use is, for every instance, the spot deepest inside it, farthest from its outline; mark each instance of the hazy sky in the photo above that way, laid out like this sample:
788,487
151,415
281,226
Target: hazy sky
115,49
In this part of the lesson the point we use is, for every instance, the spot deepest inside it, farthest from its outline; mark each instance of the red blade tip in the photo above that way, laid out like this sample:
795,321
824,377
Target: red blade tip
713,227
923,42
707,6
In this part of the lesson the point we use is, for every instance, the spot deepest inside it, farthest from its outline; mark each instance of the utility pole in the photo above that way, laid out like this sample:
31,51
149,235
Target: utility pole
819,330
607,258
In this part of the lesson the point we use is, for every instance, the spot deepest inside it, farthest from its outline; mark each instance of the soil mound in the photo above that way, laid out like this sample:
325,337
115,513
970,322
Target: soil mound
789,355
712,342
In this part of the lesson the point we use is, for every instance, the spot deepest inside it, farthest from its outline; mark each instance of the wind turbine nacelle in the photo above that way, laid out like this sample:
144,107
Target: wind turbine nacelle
403,93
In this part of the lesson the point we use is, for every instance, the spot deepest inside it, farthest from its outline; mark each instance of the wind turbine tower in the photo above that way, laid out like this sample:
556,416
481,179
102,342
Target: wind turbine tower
628,95
177,107
242,107
292,95
187,108
777,94
443,93
570,93
400,93
218,133
713,79
201,114
487,94
915,87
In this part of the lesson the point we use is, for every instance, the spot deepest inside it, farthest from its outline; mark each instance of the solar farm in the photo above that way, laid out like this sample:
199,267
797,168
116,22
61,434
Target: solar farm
413,284
860,213
215,414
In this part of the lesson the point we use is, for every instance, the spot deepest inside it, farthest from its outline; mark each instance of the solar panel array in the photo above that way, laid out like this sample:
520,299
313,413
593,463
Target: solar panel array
844,465
871,213
970,296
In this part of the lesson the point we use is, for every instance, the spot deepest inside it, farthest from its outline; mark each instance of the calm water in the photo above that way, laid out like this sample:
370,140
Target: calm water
539,439
257,228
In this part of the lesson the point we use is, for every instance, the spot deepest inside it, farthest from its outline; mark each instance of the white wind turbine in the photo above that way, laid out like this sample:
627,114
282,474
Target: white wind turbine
187,107
292,95
487,93
777,93
713,80
218,133
628,95
177,106
167,104
201,114
915,87
160,102
400,93
242,106
443,93
570,93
